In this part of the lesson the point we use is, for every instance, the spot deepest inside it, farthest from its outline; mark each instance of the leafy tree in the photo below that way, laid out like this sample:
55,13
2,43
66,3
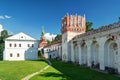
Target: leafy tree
48,42
4,35
102,26
89,26
1,50
58,37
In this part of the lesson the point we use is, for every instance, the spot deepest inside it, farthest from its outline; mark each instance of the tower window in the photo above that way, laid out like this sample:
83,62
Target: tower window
11,55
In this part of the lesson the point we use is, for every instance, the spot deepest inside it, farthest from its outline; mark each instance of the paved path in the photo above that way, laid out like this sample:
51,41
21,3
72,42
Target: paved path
38,72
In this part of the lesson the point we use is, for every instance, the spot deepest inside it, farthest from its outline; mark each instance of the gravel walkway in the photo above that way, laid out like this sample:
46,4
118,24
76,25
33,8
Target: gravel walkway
38,72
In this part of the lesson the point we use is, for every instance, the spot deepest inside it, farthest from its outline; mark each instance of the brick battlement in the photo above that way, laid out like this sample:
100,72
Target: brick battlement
73,23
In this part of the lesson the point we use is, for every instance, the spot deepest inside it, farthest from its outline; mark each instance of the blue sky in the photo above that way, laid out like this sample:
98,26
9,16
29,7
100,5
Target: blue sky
29,16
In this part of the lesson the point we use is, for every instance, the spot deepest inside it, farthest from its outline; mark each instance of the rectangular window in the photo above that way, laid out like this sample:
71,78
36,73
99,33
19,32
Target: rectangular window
32,45
10,45
19,45
15,45
10,54
18,55
28,45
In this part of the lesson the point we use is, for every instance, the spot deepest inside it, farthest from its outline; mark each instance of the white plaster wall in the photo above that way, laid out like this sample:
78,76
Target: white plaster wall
25,52
101,38
54,50
66,38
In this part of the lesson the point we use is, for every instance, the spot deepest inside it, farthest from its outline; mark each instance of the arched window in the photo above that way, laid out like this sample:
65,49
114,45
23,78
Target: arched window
11,55
18,55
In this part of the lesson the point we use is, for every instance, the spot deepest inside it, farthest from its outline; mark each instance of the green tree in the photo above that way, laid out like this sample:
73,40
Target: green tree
48,42
58,37
1,50
89,26
101,26
4,34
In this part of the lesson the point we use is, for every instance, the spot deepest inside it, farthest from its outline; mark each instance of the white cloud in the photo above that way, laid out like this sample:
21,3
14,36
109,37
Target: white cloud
49,36
5,17
1,27
2,17
9,32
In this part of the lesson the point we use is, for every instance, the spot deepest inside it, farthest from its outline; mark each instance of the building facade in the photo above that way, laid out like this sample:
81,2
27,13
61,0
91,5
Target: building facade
20,47
53,51
100,47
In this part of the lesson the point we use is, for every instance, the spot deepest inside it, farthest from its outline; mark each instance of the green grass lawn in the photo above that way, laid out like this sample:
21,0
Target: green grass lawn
15,70
51,74
66,71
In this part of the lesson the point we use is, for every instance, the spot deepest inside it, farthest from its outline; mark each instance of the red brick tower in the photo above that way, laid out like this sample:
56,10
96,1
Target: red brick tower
43,41
72,25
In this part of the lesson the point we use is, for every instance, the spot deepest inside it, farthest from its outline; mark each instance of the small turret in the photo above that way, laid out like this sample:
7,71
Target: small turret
43,41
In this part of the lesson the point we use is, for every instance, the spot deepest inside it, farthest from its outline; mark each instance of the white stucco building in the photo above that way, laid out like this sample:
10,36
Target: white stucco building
21,47
53,51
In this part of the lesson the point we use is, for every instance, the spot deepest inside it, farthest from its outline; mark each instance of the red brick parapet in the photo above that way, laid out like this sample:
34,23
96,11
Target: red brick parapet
73,29
73,23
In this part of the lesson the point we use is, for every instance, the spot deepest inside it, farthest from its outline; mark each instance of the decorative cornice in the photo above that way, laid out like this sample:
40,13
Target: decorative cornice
73,29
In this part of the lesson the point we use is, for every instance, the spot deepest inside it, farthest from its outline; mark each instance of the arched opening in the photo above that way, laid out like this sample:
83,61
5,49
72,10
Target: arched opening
84,54
111,54
76,53
95,53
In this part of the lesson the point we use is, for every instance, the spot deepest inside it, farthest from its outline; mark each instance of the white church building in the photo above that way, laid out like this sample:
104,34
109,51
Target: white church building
21,47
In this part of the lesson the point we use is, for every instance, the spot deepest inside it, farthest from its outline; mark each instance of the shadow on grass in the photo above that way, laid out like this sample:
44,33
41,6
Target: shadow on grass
76,72
37,60
53,74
